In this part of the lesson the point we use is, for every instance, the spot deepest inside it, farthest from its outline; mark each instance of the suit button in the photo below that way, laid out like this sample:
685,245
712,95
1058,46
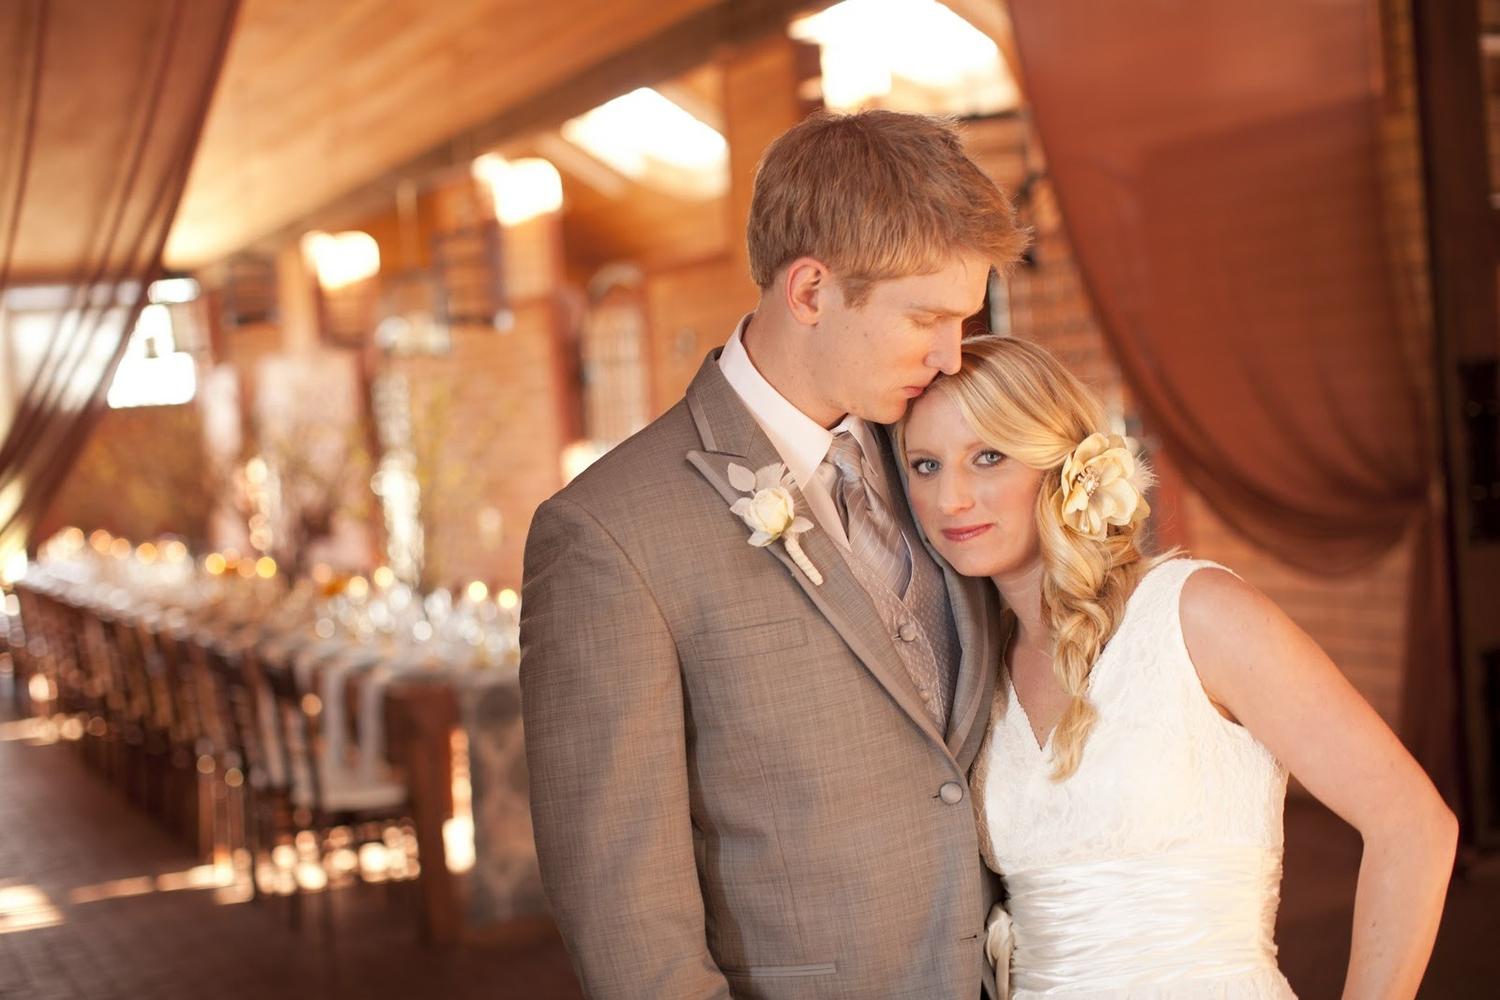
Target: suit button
951,792
907,632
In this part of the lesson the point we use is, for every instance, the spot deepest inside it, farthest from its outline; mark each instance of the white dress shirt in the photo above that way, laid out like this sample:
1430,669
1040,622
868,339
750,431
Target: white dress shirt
801,441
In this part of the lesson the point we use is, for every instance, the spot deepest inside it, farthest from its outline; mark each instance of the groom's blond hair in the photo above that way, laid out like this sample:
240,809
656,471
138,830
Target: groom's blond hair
874,196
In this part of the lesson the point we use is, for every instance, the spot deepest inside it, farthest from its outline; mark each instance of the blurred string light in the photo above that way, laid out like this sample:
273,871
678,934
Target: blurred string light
653,140
341,259
522,190
868,46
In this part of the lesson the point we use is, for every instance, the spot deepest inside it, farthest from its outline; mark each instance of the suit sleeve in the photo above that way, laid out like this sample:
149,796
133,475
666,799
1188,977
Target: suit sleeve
601,696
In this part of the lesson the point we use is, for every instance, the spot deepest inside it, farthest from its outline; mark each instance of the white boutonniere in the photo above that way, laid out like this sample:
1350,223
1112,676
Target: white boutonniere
770,511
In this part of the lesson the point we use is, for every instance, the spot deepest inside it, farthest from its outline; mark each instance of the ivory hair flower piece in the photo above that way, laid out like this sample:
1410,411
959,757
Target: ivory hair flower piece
1103,484
771,512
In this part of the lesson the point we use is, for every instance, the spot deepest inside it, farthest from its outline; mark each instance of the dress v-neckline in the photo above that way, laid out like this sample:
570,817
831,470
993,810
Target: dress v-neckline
1015,699
1040,746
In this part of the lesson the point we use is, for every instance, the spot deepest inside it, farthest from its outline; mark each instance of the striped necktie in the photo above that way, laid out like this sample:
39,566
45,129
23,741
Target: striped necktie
874,536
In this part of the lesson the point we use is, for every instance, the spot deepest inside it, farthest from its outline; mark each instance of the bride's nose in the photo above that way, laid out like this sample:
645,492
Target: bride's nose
954,495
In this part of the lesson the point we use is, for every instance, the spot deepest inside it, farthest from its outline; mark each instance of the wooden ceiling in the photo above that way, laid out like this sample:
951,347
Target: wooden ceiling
321,98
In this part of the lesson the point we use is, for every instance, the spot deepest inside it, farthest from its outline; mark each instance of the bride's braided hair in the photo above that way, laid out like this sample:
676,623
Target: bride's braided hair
1024,403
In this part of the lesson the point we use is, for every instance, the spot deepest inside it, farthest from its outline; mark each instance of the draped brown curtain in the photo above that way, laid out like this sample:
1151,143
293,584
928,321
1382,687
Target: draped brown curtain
101,107
1218,167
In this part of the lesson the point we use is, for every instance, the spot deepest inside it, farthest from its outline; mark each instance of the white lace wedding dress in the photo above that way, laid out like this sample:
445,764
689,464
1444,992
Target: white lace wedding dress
1154,871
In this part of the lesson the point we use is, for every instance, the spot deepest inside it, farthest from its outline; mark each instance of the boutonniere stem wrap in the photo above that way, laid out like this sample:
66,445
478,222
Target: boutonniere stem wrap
770,512
1103,484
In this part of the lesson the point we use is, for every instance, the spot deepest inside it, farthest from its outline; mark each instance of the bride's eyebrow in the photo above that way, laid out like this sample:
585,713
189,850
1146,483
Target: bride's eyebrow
923,452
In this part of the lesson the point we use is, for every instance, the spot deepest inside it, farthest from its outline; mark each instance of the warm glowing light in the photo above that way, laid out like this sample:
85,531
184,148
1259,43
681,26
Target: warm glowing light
384,576
146,552
458,843
579,456
14,568
215,563
869,45
153,372
647,137
34,730
100,540
478,591
342,259
172,290
265,567
120,548
358,588
198,877
169,380
175,551
24,908
522,189
119,888
39,687
508,599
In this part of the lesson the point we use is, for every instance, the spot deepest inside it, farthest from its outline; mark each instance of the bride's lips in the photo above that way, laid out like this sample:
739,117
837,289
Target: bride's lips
913,391
966,533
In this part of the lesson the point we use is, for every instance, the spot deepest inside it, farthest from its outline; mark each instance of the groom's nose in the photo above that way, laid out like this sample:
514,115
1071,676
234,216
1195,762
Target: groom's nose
947,354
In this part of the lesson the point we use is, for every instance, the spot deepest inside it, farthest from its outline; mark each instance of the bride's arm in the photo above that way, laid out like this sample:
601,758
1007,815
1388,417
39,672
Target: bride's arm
1271,677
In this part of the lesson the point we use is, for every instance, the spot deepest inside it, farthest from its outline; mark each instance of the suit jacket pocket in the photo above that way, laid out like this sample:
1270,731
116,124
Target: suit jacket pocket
782,971
744,641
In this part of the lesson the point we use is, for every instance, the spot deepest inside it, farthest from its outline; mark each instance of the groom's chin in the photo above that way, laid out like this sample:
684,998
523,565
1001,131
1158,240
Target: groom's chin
891,412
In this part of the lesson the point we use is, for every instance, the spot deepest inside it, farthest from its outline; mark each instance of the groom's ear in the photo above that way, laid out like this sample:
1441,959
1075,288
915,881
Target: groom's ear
807,283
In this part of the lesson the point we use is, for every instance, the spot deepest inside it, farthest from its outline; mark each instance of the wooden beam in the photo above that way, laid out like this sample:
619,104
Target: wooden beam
675,50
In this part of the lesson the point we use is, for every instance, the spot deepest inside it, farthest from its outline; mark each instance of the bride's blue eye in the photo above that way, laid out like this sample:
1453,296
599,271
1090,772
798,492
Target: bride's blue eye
989,457
924,466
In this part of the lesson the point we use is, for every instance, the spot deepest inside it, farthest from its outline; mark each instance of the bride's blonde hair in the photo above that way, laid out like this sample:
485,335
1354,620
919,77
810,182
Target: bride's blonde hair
1022,402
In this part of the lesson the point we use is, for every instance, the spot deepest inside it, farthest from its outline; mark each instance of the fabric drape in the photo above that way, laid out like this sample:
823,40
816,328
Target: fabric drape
101,108
1218,167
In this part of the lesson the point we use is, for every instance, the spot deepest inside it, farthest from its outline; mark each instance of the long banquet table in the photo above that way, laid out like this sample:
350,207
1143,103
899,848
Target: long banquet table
392,712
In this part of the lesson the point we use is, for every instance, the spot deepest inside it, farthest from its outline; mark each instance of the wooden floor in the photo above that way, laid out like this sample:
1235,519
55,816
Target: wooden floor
84,914
89,909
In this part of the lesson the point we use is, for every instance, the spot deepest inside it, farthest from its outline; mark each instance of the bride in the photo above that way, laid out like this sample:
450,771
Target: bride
1131,784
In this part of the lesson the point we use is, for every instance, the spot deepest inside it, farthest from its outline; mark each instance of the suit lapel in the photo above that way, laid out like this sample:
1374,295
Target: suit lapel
731,436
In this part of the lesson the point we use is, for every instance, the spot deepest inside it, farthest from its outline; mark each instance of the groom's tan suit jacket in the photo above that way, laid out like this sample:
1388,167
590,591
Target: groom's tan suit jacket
735,788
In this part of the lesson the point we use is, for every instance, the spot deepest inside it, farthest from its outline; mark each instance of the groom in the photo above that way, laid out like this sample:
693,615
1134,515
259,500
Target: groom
748,761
